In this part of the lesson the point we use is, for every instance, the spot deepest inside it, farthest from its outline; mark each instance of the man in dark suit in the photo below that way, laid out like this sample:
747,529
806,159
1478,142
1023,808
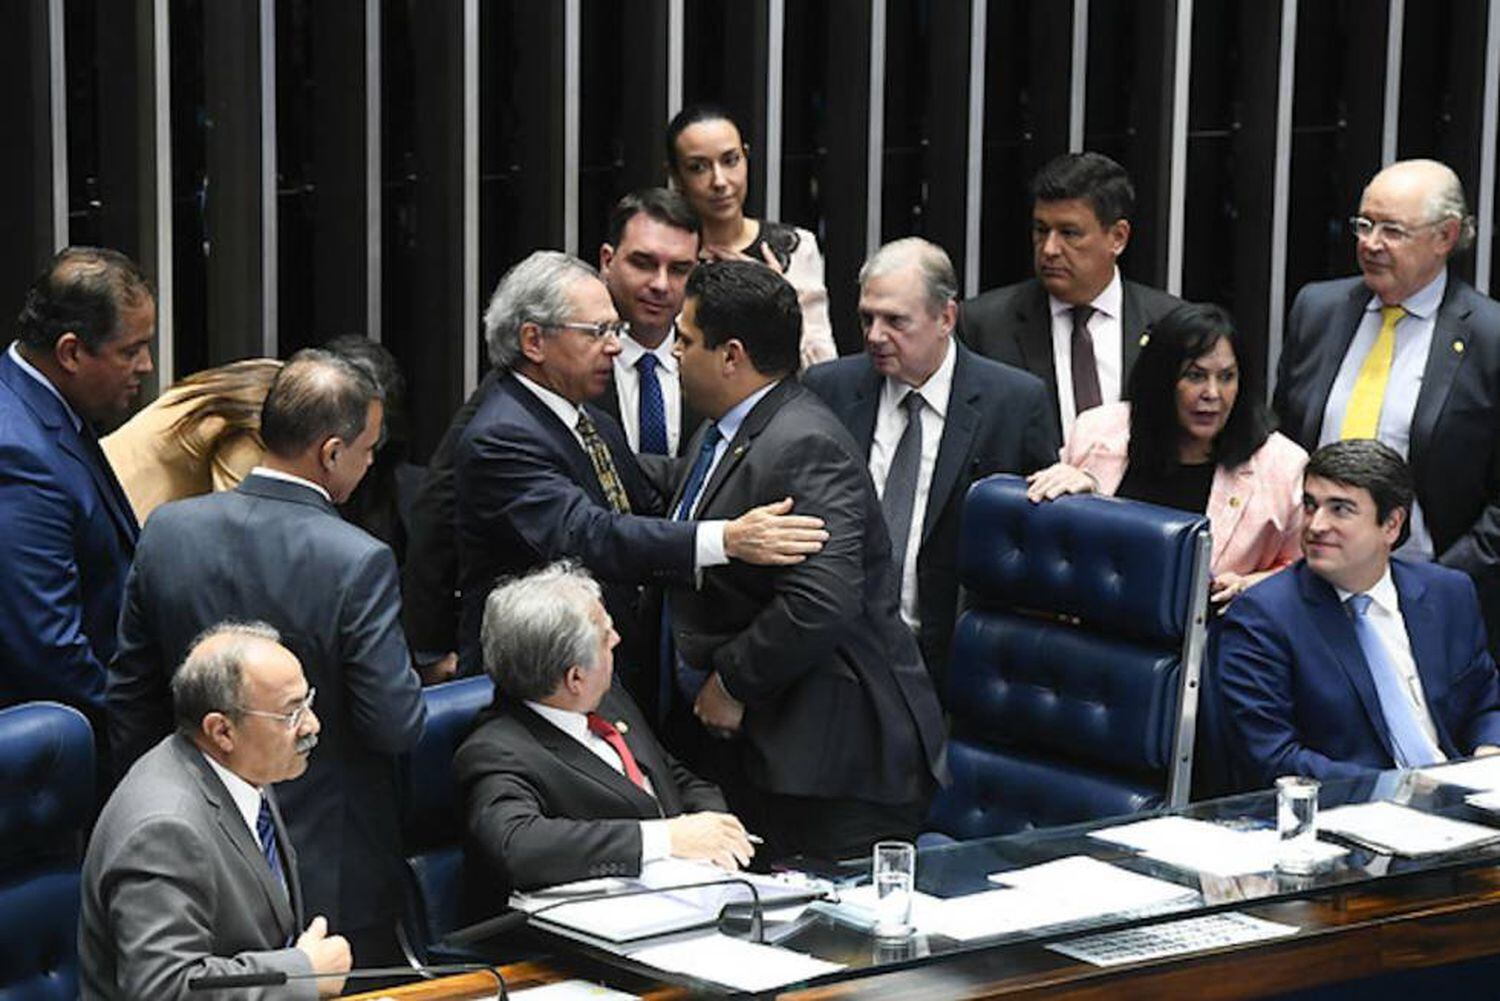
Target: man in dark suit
83,346
1409,354
648,253
976,417
1350,661
837,736
1077,324
544,475
275,549
189,871
563,777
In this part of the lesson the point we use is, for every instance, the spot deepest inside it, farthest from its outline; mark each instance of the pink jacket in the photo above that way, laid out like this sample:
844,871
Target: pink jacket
1254,509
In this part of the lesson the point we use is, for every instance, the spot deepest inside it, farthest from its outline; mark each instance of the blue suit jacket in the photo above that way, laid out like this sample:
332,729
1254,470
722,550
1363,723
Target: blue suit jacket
1298,694
999,420
64,551
528,495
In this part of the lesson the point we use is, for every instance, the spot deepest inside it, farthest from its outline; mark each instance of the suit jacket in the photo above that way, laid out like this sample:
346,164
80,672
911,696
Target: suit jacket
278,551
1254,509
1298,695
837,702
64,551
175,887
999,421
544,809
688,419
1014,325
528,495
1455,452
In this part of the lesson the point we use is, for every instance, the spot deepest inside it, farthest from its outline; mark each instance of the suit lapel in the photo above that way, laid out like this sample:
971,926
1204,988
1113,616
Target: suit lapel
579,758
960,425
864,406
1231,494
1034,321
1334,343
288,863
1426,640
560,436
1338,632
1132,329
744,439
1450,339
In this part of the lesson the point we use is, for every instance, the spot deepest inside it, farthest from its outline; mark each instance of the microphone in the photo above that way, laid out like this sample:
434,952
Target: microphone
514,919
276,978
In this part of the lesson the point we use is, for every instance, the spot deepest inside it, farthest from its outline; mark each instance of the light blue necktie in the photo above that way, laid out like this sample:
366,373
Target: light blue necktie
1414,749
653,439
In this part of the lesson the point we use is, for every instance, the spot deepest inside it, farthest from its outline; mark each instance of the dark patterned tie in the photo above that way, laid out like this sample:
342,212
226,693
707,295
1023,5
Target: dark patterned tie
604,464
265,833
1086,393
653,439
900,495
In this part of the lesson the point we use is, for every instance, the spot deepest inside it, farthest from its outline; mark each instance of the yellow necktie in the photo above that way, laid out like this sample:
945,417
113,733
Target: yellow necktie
1362,415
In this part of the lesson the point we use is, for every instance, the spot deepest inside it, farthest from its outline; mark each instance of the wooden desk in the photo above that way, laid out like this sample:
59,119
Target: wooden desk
1395,924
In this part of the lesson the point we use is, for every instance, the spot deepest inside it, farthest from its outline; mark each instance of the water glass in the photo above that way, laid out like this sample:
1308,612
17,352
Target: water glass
894,870
1297,823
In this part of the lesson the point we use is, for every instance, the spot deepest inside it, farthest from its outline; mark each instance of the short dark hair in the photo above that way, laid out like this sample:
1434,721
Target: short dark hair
1370,465
380,365
81,290
1188,332
703,111
749,302
1093,177
666,206
316,395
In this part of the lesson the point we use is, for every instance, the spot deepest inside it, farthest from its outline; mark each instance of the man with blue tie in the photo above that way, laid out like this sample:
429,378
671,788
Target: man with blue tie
1350,661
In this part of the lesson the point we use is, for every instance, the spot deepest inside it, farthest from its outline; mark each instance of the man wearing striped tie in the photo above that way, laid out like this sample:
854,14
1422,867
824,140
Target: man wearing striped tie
1351,661
1409,354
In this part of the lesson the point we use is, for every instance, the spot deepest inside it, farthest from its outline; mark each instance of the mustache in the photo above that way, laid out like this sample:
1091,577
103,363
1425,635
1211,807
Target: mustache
306,743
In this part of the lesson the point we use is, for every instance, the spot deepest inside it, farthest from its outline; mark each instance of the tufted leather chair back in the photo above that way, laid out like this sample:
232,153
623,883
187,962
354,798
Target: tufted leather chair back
46,799
1066,681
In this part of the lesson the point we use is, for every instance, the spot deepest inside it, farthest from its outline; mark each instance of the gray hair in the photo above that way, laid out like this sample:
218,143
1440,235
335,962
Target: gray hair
1446,201
939,282
213,681
536,291
536,627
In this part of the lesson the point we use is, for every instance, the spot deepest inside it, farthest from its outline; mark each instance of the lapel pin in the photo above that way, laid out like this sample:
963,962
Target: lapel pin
1234,501
739,451
1458,347
622,726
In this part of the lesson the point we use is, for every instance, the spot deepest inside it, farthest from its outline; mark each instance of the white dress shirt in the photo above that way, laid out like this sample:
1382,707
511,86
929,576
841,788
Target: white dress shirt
1105,329
246,802
656,842
277,474
708,541
628,388
1413,342
1385,615
890,424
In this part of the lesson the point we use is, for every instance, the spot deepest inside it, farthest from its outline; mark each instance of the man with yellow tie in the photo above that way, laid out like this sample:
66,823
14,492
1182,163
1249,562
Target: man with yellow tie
1408,353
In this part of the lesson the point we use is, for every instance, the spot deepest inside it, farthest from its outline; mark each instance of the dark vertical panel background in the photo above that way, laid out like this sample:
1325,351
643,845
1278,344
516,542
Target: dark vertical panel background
724,62
26,170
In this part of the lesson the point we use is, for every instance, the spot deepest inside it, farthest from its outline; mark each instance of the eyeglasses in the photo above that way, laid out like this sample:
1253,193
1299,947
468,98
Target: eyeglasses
619,328
1388,232
292,719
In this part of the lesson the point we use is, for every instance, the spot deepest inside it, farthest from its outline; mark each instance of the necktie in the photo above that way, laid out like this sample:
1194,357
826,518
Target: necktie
900,494
1414,749
604,465
605,731
1086,393
653,439
699,473
1362,414
265,833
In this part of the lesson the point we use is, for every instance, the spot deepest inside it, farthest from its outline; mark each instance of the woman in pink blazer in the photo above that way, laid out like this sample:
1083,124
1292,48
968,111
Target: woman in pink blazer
1196,436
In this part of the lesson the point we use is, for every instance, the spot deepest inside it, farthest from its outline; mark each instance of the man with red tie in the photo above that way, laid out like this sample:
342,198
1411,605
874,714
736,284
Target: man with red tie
563,777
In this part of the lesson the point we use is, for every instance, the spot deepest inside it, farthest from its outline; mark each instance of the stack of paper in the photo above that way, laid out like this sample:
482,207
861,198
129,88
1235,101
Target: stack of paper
1201,846
1401,830
733,962
1476,773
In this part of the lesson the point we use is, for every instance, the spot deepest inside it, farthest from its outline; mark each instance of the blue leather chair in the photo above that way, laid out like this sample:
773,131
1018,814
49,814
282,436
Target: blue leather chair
433,822
46,801
1073,679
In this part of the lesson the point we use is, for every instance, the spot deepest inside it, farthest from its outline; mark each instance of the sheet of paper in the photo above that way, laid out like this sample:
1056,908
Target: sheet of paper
1401,830
1202,846
734,962
1174,938
573,990
1476,773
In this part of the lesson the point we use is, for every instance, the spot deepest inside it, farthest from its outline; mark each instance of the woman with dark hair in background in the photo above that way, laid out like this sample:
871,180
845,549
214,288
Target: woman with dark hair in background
709,163
1193,435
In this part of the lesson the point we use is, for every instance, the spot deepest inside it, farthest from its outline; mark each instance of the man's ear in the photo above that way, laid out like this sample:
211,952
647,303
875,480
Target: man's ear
328,452
606,255
66,351
572,679
735,355
219,730
532,339
1119,236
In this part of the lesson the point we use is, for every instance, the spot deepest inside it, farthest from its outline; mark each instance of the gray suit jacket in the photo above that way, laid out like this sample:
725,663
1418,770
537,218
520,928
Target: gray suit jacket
175,887
277,551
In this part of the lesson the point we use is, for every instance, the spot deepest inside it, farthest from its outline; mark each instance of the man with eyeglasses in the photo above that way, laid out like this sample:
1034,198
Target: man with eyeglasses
1409,354
190,871
275,549
543,474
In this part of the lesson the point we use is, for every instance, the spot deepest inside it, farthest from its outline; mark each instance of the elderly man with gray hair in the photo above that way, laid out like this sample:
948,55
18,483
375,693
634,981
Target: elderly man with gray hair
189,871
543,474
563,777
1408,353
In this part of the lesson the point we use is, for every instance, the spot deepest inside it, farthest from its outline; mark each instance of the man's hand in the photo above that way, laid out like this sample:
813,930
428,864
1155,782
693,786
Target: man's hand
1057,480
716,709
718,837
329,954
769,536
445,668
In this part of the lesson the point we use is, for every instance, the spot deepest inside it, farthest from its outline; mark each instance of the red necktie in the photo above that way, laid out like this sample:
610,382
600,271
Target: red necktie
604,729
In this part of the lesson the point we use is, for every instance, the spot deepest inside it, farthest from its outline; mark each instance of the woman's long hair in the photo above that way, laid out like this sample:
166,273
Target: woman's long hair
233,393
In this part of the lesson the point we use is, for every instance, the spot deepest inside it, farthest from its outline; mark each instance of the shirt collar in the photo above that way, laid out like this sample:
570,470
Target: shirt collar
285,477
246,796
560,405
1423,303
632,349
35,373
729,424
574,724
1110,301
1383,594
935,391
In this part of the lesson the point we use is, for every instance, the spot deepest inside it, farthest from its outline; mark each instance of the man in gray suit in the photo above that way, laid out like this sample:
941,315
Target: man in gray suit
1077,325
276,549
189,871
